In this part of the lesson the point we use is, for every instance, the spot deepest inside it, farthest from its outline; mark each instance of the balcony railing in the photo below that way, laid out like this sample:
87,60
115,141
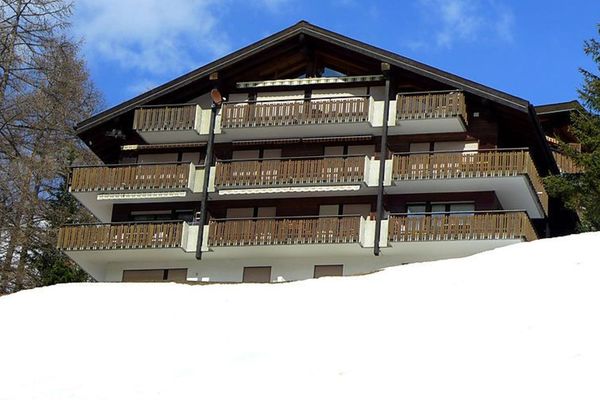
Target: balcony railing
120,236
565,163
295,112
129,176
166,118
292,171
460,226
284,231
431,105
469,164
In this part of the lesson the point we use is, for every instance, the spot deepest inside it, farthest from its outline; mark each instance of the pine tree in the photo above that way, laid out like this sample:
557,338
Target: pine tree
581,192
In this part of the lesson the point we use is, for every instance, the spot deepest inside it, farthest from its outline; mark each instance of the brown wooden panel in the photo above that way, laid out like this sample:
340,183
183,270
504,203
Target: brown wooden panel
143,275
177,275
257,274
328,270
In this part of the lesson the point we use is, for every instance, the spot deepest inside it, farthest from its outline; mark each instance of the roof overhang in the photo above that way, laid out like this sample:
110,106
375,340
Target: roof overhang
318,33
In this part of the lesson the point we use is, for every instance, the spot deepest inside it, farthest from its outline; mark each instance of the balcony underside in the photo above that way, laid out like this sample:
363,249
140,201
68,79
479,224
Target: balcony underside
427,125
296,131
513,192
101,203
287,250
420,251
172,136
303,191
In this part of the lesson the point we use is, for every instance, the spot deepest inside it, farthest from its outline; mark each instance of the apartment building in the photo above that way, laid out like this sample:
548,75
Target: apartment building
303,155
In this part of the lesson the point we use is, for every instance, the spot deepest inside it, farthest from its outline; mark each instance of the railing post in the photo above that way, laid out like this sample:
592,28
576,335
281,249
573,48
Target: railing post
385,68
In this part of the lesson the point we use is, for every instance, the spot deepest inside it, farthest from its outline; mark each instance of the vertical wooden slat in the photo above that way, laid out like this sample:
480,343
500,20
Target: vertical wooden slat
278,113
289,172
479,226
121,236
344,229
158,176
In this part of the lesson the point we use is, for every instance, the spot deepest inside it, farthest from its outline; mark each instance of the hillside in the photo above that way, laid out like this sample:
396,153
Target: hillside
521,322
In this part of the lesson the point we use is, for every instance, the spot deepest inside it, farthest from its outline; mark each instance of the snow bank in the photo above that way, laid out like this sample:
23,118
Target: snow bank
520,322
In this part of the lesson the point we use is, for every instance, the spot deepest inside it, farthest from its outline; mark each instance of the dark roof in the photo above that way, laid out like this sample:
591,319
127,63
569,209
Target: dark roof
308,29
566,106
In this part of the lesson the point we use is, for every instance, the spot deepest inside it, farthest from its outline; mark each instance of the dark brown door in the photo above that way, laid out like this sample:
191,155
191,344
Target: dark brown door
328,270
143,275
257,274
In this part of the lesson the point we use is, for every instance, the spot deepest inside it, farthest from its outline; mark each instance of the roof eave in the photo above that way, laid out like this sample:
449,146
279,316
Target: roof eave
320,33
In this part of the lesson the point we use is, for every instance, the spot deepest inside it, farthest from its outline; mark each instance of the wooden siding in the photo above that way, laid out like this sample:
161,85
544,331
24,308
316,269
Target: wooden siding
120,236
299,112
332,170
116,177
478,226
165,118
284,231
431,105
469,164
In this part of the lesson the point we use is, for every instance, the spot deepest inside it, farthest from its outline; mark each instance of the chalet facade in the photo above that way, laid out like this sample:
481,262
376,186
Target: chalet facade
303,155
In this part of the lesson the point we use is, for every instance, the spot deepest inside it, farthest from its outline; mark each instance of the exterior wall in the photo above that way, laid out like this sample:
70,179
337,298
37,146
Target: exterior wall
285,269
484,201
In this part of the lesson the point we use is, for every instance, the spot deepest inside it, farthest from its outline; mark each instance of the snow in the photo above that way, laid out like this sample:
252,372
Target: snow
520,322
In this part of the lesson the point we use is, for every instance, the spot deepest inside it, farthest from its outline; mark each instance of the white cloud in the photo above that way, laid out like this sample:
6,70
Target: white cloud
455,21
141,86
156,36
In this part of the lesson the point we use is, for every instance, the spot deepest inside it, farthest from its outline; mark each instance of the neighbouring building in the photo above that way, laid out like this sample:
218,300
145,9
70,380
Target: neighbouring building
307,154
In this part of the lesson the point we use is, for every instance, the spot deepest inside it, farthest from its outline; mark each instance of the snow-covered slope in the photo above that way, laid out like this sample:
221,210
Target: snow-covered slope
520,322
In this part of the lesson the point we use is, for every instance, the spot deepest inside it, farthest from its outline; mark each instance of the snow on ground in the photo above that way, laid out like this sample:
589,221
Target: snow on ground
521,322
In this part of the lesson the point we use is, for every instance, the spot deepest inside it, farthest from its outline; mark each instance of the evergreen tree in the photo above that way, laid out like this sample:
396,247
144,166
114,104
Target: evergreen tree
581,192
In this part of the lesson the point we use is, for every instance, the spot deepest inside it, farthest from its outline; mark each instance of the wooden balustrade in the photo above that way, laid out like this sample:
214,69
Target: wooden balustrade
165,118
290,171
431,105
295,112
137,177
565,163
478,226
120,236
284,231
469,164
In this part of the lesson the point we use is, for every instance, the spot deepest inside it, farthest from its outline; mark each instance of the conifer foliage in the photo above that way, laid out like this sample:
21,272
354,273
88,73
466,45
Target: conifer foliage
581,192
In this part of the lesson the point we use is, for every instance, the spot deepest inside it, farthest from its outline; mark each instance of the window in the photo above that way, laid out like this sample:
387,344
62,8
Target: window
257,275
364,210
155,275
158,158
329,210
158,215
328,270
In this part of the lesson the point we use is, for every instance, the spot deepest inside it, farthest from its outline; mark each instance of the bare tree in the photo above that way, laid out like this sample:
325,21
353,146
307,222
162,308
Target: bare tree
44,90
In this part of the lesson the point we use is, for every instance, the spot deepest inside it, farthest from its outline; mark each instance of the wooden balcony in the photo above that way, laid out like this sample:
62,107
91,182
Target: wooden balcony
469,164
500,225
284,231
289,172
565,163
121,236
121,177
430,112
169,123
319,111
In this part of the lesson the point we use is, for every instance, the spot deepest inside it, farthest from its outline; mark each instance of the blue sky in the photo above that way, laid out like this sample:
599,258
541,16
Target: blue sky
531,49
